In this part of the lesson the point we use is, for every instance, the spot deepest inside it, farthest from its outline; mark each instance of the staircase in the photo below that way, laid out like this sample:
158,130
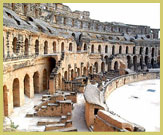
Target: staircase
58,65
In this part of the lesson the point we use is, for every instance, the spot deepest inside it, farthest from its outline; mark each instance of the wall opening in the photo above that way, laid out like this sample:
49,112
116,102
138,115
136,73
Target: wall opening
5,100
27,85
16,93
36,82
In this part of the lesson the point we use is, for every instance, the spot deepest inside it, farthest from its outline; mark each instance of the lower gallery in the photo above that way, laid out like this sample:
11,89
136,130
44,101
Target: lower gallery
63,71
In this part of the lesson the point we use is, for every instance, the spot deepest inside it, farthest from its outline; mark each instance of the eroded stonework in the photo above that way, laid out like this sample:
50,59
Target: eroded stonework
49,47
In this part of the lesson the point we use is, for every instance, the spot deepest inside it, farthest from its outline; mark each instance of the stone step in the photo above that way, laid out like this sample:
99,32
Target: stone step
69,129
54,126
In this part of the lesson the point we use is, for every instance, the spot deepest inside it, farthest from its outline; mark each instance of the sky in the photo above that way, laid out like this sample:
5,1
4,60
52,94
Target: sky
129,13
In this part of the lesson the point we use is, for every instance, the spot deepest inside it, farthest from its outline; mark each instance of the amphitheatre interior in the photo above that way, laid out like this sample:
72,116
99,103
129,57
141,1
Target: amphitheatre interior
61,69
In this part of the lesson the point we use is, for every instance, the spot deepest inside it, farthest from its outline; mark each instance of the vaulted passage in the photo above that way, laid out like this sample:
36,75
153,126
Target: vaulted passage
102,67
27,85
135,62
36,82
5,100
96,67
16,93
116,66
26,47
52,64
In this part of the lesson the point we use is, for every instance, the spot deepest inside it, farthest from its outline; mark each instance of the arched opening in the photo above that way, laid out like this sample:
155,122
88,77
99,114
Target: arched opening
91,70
146,51
146,60
106,59
72,75
152,63
45,79
5,100
102,67
106,49
113,50
62,47
126,49
141,62
141,51
85,47
54,47
16,93
96,67
120,50
46,47
70,47
14,43
129,62
135,62
116,66
27,85
99,49
92,49
25,9
26,47
52,64
36,82
84,71
153,51
134,50
36,47
66,76
78,72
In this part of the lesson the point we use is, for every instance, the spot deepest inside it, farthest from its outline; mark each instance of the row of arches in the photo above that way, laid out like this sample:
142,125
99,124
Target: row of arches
16,90
126,50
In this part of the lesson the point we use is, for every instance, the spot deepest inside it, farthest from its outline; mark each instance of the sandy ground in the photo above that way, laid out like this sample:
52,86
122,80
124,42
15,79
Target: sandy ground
30,124
139,103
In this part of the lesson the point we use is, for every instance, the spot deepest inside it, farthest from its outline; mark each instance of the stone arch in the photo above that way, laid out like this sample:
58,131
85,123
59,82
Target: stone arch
72,74
134,50
147,60
153,52
141,51
92,49
27,85
70,46
135,62
26,47
129,62
96,67
85,47
141,62
106,49
52,64
116,66
62,47
45,79
54,47
102,67
46,47
84,71
78,72
36,47
14,43
99,49
25,9
5,100
66,75
91,70
120,50
113,50
36,82
16,93
106,59
152,63
126,49
146,51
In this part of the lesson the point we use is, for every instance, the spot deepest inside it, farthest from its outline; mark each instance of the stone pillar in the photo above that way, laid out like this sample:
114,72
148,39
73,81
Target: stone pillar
52,86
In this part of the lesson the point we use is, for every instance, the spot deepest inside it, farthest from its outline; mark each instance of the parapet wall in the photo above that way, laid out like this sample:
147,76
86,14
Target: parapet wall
95,103
125,79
